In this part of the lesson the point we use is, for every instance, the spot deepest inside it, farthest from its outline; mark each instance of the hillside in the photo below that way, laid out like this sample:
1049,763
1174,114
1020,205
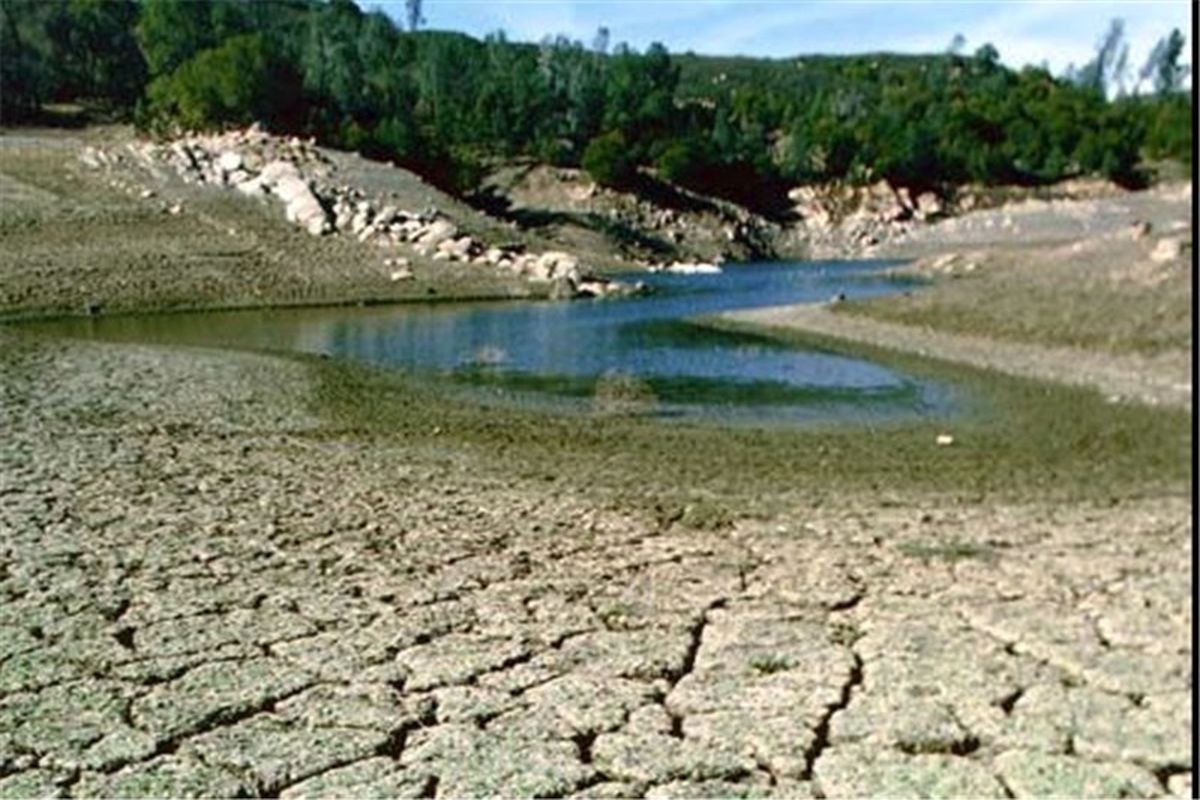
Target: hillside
448,106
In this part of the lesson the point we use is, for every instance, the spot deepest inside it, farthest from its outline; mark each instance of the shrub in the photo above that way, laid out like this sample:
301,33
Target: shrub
606,159
230,85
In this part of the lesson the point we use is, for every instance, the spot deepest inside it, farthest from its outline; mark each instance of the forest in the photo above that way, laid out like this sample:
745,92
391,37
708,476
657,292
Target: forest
448,106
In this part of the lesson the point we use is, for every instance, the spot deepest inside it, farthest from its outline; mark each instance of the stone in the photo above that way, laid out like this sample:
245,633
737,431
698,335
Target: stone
166,776
437,231
928,206
475,763
253,187
1167,249
276,171
230,161
555,264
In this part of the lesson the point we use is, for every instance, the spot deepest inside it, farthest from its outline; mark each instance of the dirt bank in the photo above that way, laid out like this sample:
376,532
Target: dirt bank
1158,379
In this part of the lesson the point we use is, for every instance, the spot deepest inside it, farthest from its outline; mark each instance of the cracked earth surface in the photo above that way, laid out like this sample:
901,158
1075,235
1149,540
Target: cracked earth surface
200,597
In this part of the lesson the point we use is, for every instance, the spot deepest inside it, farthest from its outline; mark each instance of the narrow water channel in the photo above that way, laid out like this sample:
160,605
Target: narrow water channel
566,356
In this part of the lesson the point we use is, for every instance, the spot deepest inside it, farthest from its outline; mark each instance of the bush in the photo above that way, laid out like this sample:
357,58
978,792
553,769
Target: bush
1170,130
681,162
231,85
606,159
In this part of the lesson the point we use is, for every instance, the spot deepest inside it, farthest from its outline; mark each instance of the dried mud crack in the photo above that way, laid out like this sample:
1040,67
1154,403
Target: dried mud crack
287,611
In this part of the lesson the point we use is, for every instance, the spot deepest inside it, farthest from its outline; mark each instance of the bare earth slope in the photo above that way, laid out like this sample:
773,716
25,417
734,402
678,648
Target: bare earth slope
134,237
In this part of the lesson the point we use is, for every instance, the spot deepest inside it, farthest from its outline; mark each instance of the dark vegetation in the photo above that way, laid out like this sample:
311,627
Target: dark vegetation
445,104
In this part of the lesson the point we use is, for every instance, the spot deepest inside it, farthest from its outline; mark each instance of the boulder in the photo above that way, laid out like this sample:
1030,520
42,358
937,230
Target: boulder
555,264
385,215
276,171
303,207
253,187
929,206
230,161
291,187
437,231
1167,249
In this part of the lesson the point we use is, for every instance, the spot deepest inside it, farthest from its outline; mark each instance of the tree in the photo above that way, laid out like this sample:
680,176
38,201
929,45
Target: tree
169,32
1107,71
600,41
95,52
606,159
987,56
412,14
1163,67
234,84
25,68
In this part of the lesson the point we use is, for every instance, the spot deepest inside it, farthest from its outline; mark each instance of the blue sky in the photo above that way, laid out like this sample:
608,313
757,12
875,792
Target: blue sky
1058,32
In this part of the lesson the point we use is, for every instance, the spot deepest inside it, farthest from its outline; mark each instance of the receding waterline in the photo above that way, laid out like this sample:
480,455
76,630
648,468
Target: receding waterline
640,355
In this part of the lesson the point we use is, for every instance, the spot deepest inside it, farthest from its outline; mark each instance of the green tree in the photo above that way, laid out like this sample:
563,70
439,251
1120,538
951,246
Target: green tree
94,50
607,160
26,72
233,84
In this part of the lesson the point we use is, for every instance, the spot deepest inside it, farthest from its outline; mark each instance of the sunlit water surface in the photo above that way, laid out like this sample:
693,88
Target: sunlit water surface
640,353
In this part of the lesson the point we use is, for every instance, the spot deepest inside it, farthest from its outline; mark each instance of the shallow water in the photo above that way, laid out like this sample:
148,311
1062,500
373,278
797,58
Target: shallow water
640,354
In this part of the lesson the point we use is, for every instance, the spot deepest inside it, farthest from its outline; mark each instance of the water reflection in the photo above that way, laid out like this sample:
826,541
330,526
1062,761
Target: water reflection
556,352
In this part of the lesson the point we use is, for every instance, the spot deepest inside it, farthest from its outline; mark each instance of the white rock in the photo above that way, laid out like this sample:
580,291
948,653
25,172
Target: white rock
1167,249
253,187
555,264
694,269
230,161
437,231
403,274
276,171
385,215
291,187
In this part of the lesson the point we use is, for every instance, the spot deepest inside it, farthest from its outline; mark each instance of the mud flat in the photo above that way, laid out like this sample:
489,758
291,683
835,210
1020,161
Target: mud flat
239,574
210,588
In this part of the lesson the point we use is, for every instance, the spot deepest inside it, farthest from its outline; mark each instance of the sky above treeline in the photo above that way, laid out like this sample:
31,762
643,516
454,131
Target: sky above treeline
1057,33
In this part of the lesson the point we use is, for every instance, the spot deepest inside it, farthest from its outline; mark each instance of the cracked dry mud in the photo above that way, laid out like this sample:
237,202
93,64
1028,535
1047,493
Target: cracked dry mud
201,597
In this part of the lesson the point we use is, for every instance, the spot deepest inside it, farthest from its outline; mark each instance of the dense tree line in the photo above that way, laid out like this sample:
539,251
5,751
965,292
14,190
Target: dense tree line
445,103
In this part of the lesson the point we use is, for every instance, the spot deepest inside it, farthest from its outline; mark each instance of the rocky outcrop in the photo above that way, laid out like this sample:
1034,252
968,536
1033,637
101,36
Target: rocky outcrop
654,227
299,175
841,219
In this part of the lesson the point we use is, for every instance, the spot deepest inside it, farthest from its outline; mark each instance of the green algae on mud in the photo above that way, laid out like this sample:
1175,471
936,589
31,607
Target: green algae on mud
1021,440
